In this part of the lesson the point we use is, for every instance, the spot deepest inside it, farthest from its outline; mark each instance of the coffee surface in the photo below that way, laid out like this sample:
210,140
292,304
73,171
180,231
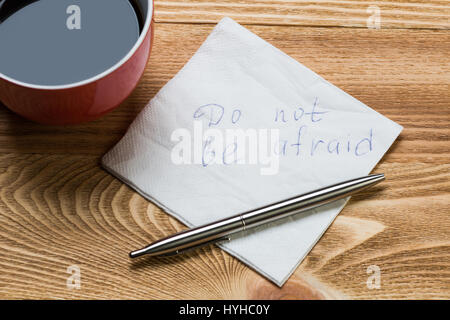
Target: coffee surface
59,42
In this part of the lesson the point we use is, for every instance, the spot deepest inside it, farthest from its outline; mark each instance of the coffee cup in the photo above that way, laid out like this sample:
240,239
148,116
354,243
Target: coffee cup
61,87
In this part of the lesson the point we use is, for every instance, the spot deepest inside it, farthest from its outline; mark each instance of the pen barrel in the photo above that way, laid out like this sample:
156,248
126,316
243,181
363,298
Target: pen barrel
192,238
308,201
207,233
218,230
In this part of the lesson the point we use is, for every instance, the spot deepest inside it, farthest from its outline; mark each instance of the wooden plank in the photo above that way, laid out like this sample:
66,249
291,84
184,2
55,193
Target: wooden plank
422,14
400,73
63,210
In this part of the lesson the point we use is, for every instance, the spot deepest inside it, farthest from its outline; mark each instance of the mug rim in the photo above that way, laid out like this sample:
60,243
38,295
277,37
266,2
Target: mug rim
101,75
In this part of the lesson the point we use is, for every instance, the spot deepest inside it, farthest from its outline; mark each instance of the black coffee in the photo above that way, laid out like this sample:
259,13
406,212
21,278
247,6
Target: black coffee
58,42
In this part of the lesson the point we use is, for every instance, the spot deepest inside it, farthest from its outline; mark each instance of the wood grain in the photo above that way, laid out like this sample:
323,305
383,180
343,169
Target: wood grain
420,14
62,210
59,208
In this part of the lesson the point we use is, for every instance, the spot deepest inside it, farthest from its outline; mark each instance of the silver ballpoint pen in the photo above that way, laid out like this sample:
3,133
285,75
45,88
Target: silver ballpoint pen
222,229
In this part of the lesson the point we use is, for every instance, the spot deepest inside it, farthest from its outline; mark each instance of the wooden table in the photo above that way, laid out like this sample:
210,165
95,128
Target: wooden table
59,209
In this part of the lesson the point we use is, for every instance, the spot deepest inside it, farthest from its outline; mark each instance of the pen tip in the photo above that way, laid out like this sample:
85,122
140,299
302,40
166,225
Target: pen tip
149,250
134,254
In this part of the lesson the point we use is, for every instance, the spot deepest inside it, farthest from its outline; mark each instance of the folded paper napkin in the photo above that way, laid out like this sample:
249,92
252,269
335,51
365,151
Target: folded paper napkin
185,151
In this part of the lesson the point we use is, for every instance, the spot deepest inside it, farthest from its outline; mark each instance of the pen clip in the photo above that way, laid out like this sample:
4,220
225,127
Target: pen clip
174,253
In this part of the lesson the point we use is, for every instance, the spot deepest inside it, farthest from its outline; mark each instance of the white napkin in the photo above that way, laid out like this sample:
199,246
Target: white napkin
236,80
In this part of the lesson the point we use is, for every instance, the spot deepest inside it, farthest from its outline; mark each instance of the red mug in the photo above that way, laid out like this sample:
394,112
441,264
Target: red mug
88,99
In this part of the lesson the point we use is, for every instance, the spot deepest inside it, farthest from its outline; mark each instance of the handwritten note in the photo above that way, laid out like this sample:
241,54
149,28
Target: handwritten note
291,145
243,125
